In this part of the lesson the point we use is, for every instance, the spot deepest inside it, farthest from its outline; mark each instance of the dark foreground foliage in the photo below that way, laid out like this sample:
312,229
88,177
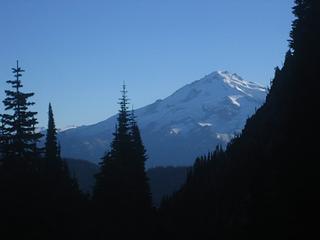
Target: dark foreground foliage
263,185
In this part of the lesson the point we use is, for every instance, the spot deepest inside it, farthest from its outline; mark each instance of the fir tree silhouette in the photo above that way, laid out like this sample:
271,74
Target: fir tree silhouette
63,195
121,192
20,183
18,124
55,167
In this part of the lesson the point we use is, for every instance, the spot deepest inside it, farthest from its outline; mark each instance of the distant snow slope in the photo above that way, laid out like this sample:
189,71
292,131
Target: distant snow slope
190,122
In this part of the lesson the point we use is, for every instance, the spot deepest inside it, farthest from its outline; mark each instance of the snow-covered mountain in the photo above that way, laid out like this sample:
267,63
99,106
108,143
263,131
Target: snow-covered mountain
190,122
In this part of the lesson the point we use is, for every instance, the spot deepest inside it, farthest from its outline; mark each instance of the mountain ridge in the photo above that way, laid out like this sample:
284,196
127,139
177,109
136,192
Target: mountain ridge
189,122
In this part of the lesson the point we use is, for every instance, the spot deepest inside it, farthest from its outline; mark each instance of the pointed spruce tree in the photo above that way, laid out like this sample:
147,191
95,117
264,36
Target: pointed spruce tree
121,192
55,168
19,137
110,182
52,155
20,182
62,193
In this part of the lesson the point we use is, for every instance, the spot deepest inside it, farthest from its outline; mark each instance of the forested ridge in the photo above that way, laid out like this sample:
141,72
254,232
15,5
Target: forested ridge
261,185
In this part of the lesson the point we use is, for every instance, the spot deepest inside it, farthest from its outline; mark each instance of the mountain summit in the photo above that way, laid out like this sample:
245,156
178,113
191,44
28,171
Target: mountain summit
188,123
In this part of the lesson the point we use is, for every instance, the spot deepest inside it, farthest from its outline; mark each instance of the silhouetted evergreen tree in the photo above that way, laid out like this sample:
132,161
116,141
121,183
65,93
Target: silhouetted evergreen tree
121,192
18,124
51,146
20,202
63,197
18,136
55,167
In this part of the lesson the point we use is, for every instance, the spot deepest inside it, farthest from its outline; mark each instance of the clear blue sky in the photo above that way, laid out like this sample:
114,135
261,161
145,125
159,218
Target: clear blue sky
77,53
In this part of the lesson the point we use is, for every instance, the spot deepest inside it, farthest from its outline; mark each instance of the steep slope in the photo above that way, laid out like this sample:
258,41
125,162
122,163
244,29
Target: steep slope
264,185
175,130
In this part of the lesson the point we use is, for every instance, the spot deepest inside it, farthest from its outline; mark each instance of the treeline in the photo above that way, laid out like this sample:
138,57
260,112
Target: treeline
262,186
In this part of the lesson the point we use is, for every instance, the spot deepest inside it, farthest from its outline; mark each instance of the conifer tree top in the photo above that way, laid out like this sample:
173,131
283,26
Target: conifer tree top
124,101
51,138
17,74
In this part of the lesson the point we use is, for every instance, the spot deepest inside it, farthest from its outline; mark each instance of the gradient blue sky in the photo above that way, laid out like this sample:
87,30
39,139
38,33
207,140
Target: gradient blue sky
77,53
